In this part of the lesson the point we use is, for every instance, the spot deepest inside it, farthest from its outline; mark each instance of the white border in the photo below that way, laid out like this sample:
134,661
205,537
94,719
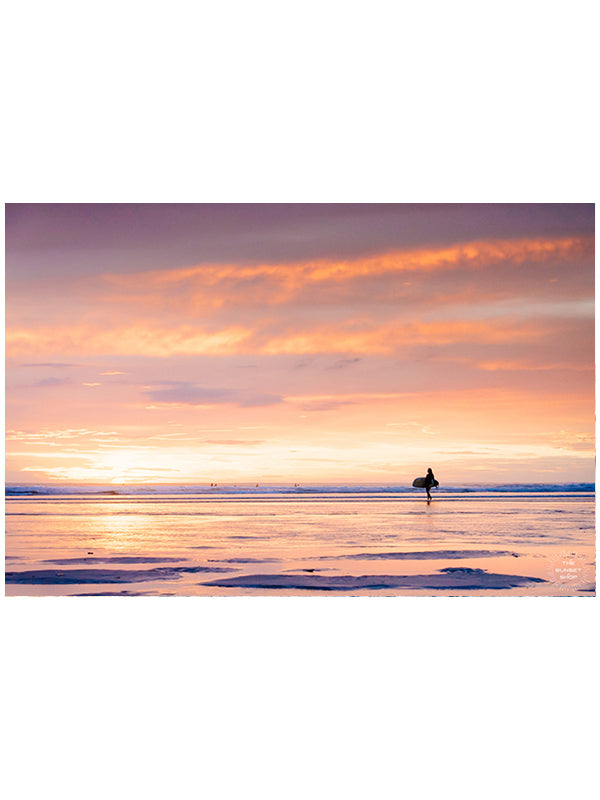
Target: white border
328,102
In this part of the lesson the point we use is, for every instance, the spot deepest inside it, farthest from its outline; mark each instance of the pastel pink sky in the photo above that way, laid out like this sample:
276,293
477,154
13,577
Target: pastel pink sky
299,343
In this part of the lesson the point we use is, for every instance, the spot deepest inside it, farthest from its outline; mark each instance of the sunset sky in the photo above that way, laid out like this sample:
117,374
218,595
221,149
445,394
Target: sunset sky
299,343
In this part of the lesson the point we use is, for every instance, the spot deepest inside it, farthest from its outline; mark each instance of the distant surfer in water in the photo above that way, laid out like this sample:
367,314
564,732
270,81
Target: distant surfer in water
429,482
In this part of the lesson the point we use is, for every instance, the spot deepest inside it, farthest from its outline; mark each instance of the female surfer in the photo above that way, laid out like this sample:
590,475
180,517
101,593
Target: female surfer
429,481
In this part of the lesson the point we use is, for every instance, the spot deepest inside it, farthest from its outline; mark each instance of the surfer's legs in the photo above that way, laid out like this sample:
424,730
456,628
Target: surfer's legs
428,494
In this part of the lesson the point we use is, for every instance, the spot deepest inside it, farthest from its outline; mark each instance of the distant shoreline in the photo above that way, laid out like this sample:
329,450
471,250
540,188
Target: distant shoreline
40,490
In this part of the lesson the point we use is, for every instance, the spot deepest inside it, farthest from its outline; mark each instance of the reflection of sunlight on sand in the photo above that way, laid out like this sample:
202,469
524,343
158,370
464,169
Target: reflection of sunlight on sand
323,539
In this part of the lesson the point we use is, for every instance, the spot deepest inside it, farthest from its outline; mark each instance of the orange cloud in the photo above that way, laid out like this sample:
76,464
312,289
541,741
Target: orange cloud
214,286
346,337
138,340
529,364
389,338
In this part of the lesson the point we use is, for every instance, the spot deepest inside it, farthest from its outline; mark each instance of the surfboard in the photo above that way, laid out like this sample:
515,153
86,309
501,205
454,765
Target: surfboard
419,483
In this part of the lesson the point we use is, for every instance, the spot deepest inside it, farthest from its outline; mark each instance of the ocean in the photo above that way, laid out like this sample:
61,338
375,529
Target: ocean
517,539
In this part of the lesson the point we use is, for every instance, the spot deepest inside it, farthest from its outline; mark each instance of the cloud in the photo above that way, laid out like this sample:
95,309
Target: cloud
249,400
153,470
344,362
49,382
484,291
73,434
193,395
368,337
46,241
486,338
215,288
355,336
140,339
190,395
569,440
325,405
234,442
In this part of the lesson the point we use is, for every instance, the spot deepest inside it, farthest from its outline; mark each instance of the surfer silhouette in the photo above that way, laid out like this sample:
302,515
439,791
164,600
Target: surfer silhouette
429,482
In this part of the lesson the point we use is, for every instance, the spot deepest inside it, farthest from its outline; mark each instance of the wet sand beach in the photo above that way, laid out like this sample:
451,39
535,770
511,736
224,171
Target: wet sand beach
277,543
